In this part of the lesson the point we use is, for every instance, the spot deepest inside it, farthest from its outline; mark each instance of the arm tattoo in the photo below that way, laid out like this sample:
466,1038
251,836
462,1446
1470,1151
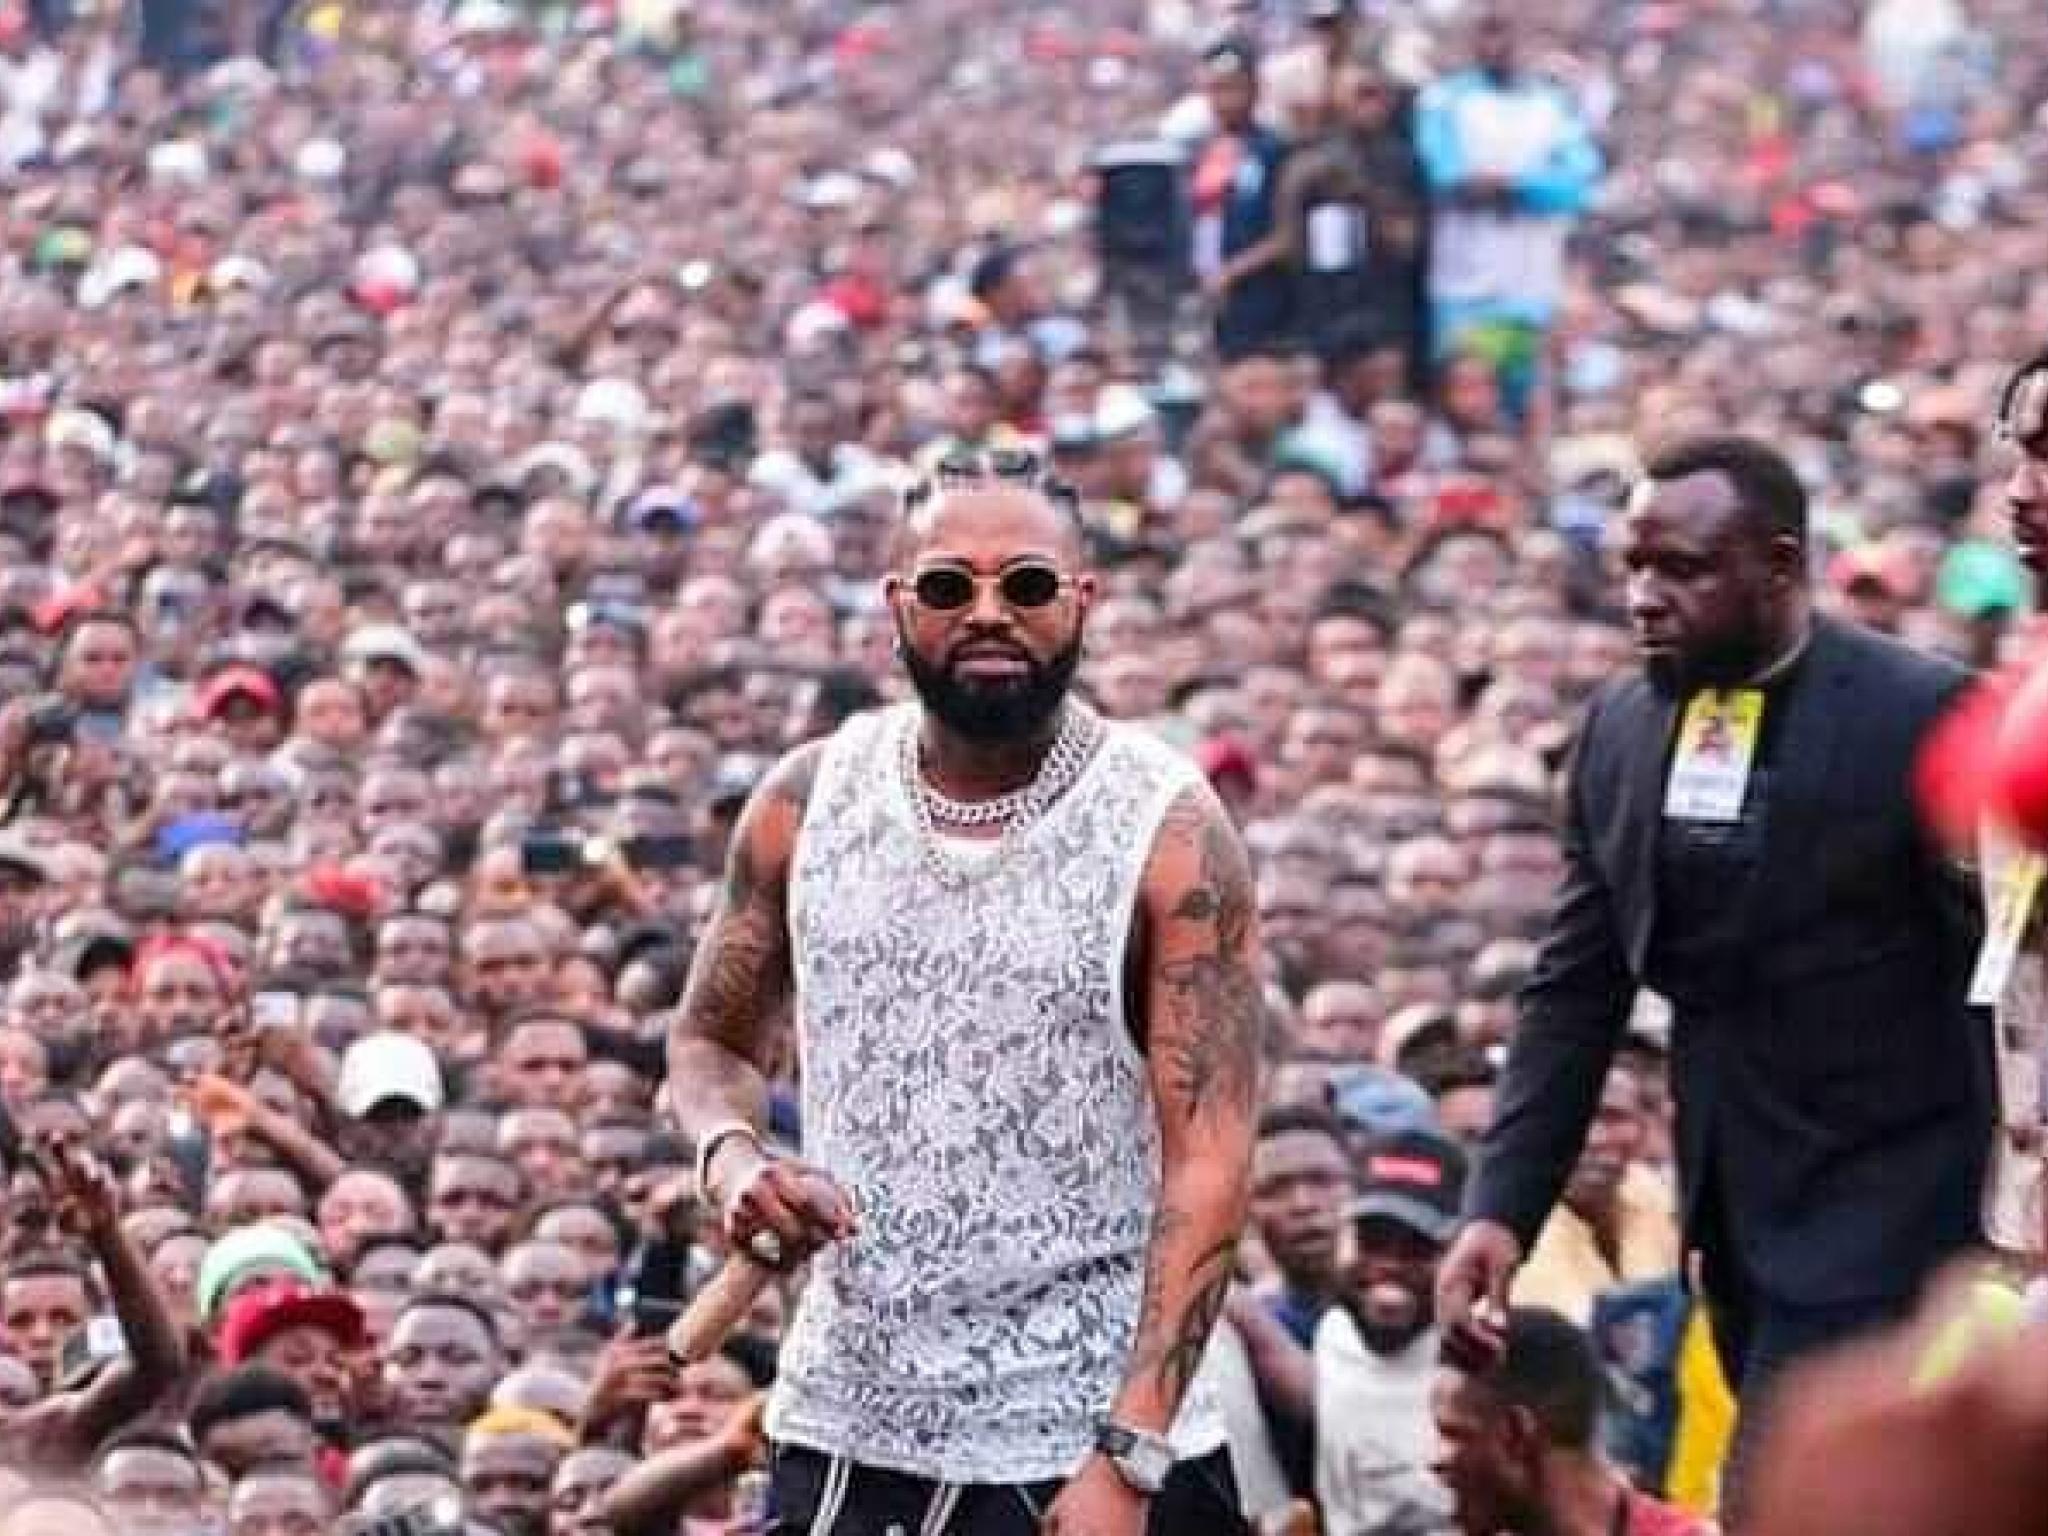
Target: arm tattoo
1183,1355
1213,997
741,977
1173,1361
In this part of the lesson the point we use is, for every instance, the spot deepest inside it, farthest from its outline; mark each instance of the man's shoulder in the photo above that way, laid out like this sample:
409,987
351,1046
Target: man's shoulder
1906,672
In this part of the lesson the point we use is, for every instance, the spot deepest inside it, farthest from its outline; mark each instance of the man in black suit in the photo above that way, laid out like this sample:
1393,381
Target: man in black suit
1833,1089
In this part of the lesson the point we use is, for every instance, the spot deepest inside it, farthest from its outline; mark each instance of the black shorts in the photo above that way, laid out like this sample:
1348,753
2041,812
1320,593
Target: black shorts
815,1495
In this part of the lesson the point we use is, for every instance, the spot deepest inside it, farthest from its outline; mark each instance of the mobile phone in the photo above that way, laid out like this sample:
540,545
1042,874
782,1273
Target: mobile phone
51,722
659,850
652,1284
550,853
275,1010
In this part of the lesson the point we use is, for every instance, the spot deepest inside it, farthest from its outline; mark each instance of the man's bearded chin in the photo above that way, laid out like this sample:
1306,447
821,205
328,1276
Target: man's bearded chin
994,710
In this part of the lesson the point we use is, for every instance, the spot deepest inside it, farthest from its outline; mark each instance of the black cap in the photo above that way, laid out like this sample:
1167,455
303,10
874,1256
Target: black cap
1414,1178
1230,55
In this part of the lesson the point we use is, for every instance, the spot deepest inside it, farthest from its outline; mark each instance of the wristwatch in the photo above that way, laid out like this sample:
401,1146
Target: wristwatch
1142,1460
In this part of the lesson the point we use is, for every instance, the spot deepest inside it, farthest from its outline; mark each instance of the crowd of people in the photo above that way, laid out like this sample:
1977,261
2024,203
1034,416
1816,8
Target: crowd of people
449,453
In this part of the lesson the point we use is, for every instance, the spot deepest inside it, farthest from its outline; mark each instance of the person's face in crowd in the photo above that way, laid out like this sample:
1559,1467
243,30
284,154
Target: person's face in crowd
1232,93
507,1478
542,1144
174,1265
541,1063
576,1501
392,797
363,1203
1489,1457
1593,653
472,1199
414,950
178,994
1300,1182
1128,685
971,406
191,536
1393,1283
317,1361
547,1284
251,1195
991,670
1341,1019
381,1283
38,1312
1347,656
1321,744
1290,917
611,1153
1260,396
278,1503
98,665
24,1067
1417,703
584,1231
2026,487
385,683
153,1490
434,611
1708,590
798,623
1493,44
330,711
557,534
426,1012
136,1131
313,942
602,698
705,1397
220,882
273,1438
1470,394
1425,877
440,1365
518,704
505,966
1465,1111
50,1005
1613,1142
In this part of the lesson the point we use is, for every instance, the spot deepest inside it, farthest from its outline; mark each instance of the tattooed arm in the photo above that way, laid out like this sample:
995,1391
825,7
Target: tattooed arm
740,985
1203,1011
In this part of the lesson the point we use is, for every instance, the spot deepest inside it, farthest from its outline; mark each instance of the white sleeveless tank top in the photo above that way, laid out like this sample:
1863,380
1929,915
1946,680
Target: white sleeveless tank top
969,1074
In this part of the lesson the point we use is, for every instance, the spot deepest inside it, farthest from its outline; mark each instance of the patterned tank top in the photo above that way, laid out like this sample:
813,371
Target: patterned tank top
969,1074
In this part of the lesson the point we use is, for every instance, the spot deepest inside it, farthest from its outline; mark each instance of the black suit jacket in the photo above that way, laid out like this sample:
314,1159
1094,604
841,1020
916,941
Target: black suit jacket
1838,1090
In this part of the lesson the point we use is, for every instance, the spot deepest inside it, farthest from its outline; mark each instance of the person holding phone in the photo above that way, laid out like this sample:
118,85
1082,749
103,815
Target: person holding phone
61,1199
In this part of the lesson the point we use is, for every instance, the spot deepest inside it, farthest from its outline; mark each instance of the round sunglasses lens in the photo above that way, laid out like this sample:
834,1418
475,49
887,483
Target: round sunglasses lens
1031,586
944,589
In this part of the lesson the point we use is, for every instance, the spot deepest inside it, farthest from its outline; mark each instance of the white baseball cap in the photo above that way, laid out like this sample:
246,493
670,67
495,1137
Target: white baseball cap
389,1065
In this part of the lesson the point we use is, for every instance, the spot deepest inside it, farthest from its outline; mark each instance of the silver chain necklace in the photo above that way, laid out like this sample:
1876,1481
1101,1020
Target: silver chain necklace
1072,747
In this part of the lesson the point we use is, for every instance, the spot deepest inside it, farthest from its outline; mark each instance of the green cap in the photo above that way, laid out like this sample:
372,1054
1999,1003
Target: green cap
1979,578
248,1253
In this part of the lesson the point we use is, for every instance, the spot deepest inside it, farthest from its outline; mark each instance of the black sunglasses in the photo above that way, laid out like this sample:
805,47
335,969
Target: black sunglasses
948,588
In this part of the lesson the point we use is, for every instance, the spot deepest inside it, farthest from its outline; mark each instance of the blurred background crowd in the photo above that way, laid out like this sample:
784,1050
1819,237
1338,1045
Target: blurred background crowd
448,451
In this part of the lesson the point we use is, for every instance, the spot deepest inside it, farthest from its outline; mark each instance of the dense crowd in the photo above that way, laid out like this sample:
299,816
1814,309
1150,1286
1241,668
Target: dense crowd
448,453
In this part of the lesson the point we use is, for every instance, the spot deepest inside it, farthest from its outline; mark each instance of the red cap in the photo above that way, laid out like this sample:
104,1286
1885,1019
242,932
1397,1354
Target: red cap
257,1316
1222,757
343,891
239,682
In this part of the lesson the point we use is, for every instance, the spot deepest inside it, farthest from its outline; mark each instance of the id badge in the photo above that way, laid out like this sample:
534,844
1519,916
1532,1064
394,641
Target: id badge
1717,743
2009,908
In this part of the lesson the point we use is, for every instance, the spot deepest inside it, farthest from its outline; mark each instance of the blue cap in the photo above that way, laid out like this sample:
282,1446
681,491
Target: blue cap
1376,1102
197,829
